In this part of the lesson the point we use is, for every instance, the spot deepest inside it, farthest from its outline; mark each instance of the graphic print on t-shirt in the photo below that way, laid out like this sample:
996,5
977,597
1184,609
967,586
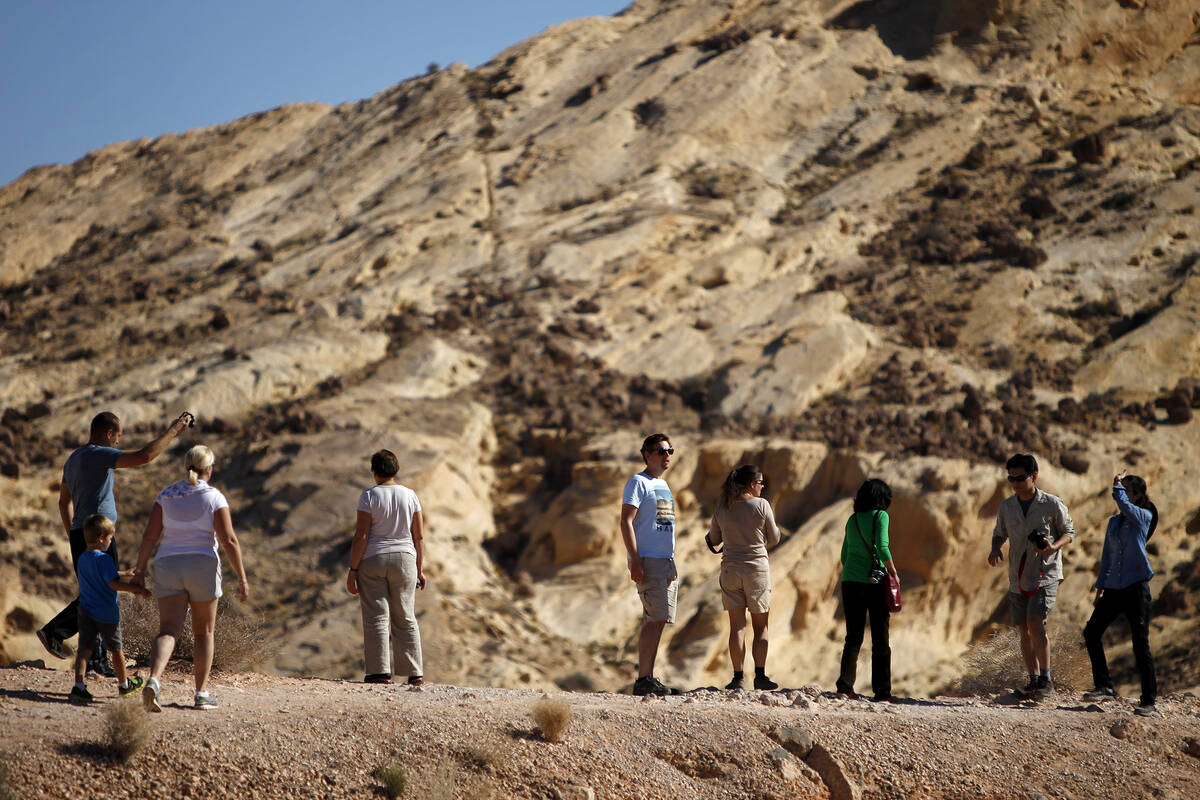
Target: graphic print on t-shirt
666,507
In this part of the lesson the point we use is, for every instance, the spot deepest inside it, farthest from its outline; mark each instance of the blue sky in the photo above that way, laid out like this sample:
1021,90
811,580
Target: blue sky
76,75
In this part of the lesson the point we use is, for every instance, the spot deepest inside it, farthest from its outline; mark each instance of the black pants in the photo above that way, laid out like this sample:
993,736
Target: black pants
66,624
859,599
1134,602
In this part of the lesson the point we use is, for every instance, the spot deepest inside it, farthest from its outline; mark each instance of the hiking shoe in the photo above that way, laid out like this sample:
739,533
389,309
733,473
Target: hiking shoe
884,698
1146,711
648,684
205,701
80,696
102,668
131,686
1097,695
53,646
1045,688
1029,688
764,683
150,695
736,683
842,694
416,680
379,677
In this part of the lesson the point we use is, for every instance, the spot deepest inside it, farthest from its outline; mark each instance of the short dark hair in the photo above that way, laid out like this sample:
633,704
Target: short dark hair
654,439
385,464
1024,462
104,422
873,495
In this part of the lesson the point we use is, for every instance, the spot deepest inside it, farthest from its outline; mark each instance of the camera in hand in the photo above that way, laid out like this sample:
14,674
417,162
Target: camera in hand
877,575
1039,539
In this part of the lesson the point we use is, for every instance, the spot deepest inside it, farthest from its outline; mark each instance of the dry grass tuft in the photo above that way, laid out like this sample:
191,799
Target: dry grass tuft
552,718
240,639
995,665
6,789
441,781
482,753
394,779
126,729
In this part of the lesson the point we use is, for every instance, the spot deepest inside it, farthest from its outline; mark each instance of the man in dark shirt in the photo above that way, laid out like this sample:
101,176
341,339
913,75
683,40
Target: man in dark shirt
86,489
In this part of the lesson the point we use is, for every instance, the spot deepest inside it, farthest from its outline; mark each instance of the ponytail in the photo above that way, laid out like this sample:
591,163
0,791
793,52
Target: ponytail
1137,484
737,482
198,459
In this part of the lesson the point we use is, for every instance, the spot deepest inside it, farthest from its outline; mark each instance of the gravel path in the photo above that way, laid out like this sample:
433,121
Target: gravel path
287,737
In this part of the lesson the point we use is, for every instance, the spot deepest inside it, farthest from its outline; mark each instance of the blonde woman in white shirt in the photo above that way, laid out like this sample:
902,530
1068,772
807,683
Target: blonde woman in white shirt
386,559
189,520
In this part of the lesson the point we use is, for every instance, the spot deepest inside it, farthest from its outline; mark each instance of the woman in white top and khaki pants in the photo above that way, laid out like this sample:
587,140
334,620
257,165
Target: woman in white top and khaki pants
386,560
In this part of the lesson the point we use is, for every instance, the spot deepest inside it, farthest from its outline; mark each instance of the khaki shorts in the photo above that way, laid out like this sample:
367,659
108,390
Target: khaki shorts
658,589
199,576
746,586
1038,604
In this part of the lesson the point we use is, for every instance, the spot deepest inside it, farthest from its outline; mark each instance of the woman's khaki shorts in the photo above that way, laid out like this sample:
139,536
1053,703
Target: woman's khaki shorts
746,586
197,575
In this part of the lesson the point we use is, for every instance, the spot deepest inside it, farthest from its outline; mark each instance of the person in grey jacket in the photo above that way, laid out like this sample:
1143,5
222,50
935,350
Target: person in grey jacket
1037,527
1123,587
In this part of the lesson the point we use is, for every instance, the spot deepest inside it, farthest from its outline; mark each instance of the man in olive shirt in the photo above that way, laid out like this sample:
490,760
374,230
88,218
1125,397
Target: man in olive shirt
1037,527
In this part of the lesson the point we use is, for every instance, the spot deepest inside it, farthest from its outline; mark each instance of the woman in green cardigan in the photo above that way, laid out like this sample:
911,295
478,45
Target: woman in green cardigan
864,549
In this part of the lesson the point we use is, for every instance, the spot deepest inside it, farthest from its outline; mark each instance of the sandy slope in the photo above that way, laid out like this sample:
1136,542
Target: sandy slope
284,737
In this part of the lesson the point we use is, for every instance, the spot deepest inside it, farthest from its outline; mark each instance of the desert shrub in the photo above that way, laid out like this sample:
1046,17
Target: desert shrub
126,729
551,718
240,639
482,753
6,788
440,781
995,665
394,779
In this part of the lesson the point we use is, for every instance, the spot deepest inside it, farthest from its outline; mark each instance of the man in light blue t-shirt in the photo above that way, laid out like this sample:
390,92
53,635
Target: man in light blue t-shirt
86,489
648,530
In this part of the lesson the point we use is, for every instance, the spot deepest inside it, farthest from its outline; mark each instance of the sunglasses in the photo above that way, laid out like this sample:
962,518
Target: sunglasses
663,451
1018,478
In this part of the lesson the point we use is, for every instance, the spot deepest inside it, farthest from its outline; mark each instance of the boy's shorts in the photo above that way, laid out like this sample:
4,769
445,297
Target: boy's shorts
658,589
198,575
1038,604
89,629
746,586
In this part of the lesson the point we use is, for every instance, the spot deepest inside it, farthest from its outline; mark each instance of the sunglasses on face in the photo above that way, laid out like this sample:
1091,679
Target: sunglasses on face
662,451
1018,478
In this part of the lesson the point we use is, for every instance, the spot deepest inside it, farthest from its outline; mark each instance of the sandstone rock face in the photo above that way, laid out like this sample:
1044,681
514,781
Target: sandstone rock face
836,240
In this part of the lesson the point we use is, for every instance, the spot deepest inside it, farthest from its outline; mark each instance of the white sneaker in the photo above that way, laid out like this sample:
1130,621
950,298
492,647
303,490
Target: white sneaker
205,701
150,696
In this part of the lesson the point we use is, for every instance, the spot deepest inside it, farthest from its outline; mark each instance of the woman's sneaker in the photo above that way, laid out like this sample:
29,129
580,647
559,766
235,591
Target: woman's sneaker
1146,710
205,701
1098,695
736,683
131,686
416,680
150,696
378,677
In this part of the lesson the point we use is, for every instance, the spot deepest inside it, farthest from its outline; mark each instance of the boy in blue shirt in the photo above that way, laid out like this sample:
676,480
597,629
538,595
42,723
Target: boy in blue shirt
99,613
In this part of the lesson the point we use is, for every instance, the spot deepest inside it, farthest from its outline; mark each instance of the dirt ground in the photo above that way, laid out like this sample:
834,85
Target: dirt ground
276,737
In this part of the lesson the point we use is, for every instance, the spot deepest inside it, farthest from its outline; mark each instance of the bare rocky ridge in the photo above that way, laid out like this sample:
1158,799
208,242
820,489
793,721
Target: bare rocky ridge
838,239
277,737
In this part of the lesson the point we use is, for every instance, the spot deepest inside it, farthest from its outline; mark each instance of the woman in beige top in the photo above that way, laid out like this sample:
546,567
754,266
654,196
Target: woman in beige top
744,522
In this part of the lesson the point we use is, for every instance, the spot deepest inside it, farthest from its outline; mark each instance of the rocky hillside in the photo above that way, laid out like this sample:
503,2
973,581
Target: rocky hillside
836,239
